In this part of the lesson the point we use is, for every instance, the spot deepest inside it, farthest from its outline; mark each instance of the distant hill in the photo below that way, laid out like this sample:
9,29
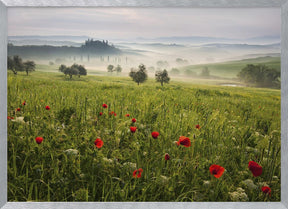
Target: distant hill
203,40
40,42
89,48
51,38
168,39
238,46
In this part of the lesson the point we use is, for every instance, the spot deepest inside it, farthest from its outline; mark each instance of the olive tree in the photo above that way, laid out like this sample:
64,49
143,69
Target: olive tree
140,75
29,66
162,77
71,71
110,68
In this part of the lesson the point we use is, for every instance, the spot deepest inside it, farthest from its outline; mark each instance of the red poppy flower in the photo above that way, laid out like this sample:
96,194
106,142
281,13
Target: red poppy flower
10,118
216,170
266,190
167,156
18,109
127,115
98,143
24,103
47,107
185,141
137,173
133,129
38,140
255,168
133,120
197,126
155,134
100,113
105,105
115,114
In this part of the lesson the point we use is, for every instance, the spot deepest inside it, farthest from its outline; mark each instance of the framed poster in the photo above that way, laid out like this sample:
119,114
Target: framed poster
143,104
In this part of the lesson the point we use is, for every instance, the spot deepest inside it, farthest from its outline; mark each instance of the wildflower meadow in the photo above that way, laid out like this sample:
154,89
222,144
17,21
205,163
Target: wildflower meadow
102,138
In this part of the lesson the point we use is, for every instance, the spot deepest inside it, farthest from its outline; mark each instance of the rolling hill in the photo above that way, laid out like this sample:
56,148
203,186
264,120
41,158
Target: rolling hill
232,68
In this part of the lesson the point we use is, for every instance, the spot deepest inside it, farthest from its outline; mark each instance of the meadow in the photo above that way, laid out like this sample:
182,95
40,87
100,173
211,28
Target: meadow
226,126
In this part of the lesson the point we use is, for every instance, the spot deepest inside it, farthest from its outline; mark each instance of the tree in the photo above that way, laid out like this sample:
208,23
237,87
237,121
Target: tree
181,62
277,83
62,68
118,69
162,64
10,65
272,78
71,71
175,71
110,68
29,66
205,72
140,75
247,75
18,63
80,68
260,75
162,77
75,69
15,64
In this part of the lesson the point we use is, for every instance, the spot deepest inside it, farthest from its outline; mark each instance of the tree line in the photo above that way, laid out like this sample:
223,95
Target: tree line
74,69
112,68
16,64
90,47
140,75
261,76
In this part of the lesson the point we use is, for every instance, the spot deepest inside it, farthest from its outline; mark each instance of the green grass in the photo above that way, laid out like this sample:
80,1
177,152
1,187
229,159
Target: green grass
231,69
47,68
237,125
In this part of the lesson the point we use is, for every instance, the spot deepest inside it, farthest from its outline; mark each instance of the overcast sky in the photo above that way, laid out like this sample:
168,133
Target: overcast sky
126,23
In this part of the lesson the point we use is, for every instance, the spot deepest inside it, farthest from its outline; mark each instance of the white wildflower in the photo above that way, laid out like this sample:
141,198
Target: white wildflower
105,159
130,165
239,195
206,183
73,152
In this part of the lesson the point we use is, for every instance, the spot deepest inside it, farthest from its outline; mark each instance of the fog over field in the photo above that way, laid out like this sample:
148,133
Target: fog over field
149,53
159,38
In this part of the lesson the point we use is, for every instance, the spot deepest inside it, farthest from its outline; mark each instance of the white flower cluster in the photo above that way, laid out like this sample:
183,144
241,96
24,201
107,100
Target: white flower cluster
239,195
249,184
105,159
130,165
73,152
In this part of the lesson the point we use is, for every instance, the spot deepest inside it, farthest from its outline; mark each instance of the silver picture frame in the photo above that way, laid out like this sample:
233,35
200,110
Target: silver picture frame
283,4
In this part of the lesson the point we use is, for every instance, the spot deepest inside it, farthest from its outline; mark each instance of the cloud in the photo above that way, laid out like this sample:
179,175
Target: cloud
109,23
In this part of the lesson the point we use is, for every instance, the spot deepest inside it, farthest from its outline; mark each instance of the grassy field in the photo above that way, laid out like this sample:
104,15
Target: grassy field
236,125
231,69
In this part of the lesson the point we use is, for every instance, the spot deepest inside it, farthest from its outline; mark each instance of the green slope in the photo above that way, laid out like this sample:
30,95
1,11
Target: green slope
231,69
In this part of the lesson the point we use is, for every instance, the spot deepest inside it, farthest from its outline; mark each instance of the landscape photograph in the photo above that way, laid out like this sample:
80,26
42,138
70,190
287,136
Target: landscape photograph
144,104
